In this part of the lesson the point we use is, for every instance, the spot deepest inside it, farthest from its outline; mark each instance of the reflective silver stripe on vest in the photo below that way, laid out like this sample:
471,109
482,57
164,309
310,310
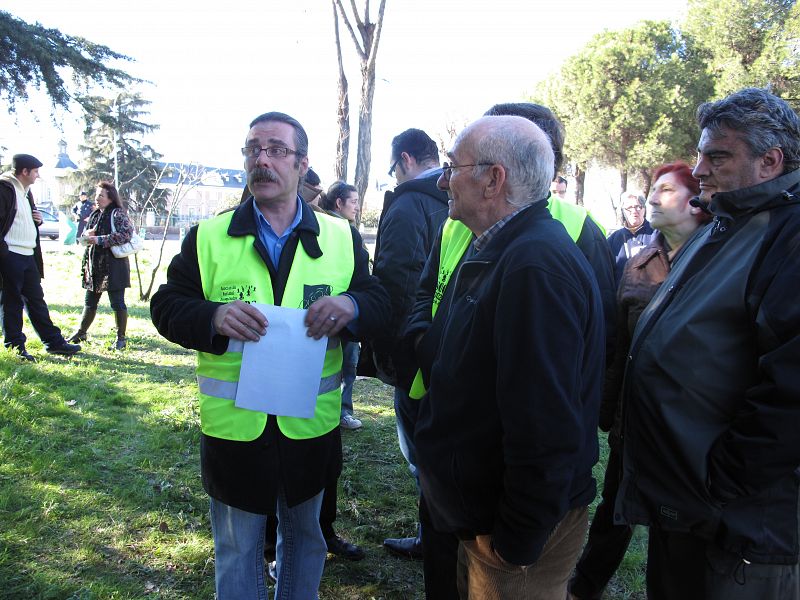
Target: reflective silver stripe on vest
217,387
227,389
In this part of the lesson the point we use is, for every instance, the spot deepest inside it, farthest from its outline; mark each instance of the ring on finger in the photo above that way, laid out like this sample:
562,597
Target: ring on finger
333,318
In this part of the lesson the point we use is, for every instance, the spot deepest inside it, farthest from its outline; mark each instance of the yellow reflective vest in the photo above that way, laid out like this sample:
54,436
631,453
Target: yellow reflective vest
231,269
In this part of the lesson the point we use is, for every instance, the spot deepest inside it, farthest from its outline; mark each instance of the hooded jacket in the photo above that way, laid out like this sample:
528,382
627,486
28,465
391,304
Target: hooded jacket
711,399
410,220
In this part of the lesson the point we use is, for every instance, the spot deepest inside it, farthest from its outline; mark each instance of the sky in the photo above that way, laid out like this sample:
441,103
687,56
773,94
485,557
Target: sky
215,66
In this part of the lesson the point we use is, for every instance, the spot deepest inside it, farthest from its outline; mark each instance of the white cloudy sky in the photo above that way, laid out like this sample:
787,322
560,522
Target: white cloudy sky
214,66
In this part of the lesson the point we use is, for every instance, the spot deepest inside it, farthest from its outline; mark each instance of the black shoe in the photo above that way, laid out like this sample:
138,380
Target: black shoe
64,348
343,548
23,354
272,571
410,547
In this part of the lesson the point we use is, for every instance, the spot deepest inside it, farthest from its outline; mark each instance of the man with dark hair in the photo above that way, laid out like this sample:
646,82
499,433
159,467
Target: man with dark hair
559,188
411,216
273,249
310,188
21,264
82,210
712,387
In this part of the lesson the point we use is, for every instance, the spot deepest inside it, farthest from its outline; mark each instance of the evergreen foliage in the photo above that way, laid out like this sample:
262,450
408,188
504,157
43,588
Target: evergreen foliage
35,55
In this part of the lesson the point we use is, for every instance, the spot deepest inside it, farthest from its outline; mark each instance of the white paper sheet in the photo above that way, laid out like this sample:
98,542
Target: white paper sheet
281,372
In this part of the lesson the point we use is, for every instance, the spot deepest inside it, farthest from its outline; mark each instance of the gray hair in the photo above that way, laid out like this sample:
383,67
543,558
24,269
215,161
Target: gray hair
763,120
300,135
633,194
525,152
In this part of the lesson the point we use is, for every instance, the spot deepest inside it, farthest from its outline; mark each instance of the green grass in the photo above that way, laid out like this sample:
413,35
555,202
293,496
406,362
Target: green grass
100,493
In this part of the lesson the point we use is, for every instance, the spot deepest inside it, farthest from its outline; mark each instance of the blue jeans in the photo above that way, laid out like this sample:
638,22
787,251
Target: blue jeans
239,551
349,364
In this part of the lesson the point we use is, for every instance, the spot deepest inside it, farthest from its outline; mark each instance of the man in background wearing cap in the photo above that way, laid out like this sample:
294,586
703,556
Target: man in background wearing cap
21,265
82,210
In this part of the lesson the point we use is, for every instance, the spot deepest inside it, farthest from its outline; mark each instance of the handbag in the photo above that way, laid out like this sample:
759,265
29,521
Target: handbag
132,246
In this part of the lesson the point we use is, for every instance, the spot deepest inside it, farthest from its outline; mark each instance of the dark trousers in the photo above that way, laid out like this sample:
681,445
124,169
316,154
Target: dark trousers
607,542
22,288
439,558
681,566
115,297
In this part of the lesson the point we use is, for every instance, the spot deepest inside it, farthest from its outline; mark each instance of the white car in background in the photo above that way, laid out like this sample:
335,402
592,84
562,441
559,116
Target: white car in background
49,226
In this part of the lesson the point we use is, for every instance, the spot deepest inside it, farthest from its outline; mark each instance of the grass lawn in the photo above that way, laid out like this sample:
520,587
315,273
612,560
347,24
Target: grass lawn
100,493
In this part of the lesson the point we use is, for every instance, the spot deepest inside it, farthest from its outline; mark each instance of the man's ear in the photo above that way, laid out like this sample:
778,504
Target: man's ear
408,161
497,178
771,164
303,167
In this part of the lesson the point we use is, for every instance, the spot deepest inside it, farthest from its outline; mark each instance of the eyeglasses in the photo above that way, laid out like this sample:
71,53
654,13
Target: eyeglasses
447,168
271,151
636,208
393,167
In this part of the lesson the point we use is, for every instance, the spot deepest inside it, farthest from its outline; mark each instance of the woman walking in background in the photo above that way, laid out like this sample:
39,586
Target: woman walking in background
108,226
342,201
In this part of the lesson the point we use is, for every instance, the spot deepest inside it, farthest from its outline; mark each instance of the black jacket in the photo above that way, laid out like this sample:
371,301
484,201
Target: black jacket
411,217
8,211
246,474
507,436
711,399
625,245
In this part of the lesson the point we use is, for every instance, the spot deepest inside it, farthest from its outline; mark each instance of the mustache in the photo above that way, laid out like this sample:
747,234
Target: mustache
261,174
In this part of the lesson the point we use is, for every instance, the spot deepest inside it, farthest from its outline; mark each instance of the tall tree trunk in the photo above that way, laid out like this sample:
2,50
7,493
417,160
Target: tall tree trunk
343,111
580,184
367,49
364,154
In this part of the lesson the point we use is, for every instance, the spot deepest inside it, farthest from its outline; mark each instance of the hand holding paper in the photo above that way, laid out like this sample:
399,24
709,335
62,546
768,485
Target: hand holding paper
240,321
329,315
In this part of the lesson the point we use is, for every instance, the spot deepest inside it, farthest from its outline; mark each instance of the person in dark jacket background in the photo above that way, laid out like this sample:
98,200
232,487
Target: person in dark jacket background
635,233
711,396
411,216
508,436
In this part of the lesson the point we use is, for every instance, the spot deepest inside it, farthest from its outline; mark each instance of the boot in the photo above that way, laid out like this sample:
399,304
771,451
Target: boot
86,320
121,317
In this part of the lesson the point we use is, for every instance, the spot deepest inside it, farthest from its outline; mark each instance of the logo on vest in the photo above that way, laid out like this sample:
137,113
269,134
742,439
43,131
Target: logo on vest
312,293
244,292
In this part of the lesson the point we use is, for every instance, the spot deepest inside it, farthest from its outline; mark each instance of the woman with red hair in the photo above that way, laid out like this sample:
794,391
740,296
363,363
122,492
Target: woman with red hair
677,215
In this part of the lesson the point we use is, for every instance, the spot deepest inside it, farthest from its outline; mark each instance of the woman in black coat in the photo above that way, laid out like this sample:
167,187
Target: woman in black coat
101,270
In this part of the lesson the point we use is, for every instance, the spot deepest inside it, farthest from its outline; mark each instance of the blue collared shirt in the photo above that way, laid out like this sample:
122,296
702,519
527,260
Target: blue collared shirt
272,242
275,245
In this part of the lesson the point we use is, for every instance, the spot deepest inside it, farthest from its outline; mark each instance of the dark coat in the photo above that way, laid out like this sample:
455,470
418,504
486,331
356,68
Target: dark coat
8,212
412,215
625,244
507,436
711,399
641,278
101,270
246,474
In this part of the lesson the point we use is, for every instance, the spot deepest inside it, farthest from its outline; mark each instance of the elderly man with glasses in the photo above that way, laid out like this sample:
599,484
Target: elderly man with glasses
273,249
635,233
507,435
